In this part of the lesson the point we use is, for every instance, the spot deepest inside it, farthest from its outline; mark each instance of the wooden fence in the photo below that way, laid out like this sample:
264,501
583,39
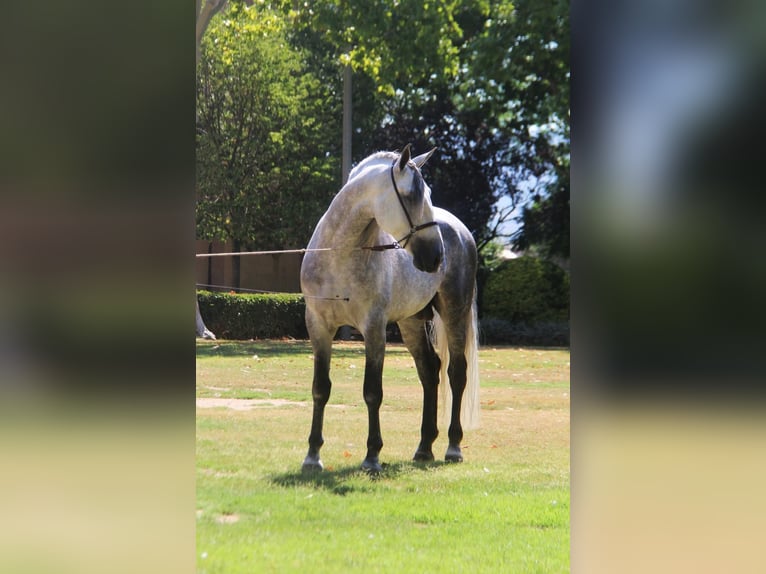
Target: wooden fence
279,272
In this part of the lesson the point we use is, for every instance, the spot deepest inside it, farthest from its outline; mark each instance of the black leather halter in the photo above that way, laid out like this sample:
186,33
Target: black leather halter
401,243
413,228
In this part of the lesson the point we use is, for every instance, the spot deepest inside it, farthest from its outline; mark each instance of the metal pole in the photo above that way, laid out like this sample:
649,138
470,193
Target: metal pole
346,161
344,334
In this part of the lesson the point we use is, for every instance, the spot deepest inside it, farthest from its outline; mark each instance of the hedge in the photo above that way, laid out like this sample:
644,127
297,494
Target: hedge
261,316
501,332
527,290
526,302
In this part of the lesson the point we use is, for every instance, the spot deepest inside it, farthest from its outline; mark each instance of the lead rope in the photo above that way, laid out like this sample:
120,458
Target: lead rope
400,244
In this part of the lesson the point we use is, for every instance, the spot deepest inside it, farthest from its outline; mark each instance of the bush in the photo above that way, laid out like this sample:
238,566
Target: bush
499,331
528,291
526,302
261,316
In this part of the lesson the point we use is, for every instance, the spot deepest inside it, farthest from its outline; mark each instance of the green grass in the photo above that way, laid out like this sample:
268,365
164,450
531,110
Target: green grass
505,509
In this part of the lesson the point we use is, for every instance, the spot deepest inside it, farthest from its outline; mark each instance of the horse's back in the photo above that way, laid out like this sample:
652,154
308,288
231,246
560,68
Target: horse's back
441,214
460,259
459,242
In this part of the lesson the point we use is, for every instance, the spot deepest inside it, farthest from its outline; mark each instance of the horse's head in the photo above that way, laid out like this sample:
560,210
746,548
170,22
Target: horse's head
406,212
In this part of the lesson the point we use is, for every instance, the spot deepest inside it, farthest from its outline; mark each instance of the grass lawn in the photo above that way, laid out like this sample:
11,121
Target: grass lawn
505,509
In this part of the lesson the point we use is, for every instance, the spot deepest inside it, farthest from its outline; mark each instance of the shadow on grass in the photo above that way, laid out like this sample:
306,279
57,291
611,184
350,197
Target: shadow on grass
274,348
282,348
249,348
338,480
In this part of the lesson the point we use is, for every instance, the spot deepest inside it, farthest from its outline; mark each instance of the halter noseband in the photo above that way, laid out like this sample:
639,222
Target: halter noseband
413,228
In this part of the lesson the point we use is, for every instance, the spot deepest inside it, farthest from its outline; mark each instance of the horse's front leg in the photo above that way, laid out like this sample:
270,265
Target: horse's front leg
375,348
428,364
320,390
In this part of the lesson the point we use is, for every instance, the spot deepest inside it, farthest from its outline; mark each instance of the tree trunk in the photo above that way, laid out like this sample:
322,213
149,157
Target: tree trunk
344,333
202,331
204,15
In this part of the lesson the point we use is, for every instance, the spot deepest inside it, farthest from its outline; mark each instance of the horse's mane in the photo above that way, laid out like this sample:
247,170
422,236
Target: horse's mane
387,155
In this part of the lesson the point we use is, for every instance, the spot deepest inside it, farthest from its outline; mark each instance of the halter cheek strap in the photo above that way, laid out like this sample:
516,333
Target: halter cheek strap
413,228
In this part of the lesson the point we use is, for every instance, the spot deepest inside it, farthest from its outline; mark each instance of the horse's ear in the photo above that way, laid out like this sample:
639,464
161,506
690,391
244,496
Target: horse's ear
405,157
421,159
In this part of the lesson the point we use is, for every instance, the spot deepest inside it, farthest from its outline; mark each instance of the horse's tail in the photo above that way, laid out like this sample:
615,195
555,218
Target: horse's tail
469,409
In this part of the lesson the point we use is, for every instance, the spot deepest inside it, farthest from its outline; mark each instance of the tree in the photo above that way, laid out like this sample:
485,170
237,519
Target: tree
457,174
487,82
394,44
204,16
545,220
265,162
533,75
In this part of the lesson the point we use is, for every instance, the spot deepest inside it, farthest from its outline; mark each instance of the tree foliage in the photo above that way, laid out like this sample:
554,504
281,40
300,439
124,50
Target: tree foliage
265,153
485,81
497,108
501,125
527,290
393,43
545,220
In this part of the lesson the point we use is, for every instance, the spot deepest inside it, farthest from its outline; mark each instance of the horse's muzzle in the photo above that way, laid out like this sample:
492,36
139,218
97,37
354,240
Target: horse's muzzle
427,255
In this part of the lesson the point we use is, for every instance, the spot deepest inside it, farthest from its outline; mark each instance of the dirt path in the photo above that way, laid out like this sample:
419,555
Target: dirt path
246,404
250,404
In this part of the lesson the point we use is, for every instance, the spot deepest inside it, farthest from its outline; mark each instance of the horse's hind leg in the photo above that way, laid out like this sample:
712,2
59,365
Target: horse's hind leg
454,325
321,340
427,363
457,373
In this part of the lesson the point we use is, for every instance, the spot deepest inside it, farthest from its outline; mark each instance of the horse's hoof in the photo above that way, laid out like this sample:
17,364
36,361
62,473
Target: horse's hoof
453,454
423,456
372,466
311,464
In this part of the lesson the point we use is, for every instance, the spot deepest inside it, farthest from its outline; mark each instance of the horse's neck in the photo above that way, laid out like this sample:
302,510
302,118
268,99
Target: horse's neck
347,222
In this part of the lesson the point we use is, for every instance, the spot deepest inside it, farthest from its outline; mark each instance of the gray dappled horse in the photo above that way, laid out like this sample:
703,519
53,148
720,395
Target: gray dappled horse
356,273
